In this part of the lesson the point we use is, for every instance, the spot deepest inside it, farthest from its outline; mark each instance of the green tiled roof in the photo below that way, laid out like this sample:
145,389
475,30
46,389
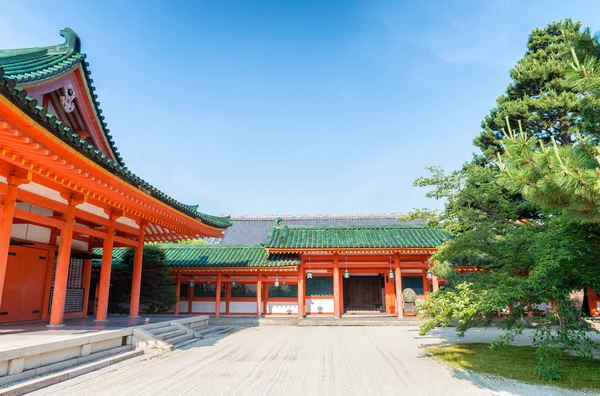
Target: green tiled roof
213,256
28,65
18,96
367,236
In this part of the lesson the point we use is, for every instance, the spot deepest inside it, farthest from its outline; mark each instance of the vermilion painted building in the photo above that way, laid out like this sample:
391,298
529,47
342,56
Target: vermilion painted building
306,269
65,189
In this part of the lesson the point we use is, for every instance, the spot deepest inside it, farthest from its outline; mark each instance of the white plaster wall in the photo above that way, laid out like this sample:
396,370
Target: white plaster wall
223,307
282,308
31,232
203,306
242,307
128,221
93,209
183,306
43,191
598,305
316,305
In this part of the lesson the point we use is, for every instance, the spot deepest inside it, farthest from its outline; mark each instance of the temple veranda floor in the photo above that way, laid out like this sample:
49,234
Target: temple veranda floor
294,360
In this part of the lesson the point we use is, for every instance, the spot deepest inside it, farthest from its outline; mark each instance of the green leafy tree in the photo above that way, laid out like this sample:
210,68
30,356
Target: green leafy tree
528,252
539,96
157,292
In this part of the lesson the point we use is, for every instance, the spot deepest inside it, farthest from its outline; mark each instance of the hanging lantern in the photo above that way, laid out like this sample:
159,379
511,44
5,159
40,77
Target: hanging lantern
233,283
308,274
346,274
391,274
276,281
429,274
192,284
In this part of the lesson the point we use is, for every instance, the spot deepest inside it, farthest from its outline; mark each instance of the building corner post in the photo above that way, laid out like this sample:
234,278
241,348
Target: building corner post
218,296
398,276
136,278
336,285
59,295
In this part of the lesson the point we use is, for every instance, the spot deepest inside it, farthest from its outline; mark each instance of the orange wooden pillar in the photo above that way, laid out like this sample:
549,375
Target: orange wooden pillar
136,279
177,292
336,286
300,291
218,296
259,297
398,276
107,253
435,282
341,276
9,203
62,267
592,301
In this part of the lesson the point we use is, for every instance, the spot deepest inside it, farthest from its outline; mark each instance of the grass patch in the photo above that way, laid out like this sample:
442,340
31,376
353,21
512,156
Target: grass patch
518,363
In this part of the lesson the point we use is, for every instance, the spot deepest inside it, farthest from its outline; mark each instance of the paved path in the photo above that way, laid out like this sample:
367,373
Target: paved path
24,334
296,361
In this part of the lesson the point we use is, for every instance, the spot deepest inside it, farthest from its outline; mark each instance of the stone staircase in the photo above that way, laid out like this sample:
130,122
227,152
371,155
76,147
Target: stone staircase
172,335
29,368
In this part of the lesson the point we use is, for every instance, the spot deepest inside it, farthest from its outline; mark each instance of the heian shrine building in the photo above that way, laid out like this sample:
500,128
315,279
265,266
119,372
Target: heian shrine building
65,190
70,207
306,265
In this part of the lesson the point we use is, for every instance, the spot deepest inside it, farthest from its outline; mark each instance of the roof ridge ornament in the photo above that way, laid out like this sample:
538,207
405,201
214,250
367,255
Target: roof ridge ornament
72,43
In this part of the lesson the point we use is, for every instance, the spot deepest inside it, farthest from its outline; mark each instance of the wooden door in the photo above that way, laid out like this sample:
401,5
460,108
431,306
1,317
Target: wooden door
363,292
10,309
33,278
24,285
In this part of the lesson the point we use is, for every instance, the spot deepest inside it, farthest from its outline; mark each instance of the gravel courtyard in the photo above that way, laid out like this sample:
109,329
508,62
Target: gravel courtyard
296,361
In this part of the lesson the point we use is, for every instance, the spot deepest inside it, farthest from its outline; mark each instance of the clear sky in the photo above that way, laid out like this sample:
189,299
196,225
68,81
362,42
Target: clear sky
293,106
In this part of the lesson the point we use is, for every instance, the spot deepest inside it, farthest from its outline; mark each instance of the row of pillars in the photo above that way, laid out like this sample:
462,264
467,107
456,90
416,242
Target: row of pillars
64,256
337,290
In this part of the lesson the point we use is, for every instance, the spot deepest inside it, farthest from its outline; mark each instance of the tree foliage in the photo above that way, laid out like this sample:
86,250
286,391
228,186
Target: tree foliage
540,95
520,223
157,292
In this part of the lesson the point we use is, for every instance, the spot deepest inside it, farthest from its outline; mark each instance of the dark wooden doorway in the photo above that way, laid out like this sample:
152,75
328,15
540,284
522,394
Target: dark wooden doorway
363,293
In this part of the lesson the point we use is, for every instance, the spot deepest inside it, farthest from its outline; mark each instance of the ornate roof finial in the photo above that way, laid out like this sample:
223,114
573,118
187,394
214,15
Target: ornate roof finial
72,41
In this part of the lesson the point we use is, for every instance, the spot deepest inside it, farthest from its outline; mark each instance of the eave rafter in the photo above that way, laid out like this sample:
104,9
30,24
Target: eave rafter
97,185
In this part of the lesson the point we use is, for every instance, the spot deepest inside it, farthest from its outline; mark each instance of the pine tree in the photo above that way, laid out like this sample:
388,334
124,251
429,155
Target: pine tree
157,292
539,96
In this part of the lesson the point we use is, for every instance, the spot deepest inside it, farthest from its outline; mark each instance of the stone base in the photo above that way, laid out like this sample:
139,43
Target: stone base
58,326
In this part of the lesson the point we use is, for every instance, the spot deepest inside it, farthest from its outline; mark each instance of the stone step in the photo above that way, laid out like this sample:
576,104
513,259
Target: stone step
162,330
284,321
178,340
186,342
171,334
34,384
359,322
233,321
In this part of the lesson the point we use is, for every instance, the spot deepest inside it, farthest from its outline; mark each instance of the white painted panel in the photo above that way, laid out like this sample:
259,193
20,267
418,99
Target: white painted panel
203,306
128,221
598,305
79,245
30,233
242,307
223,307
93,209
319,305
282,308
183,306
43,191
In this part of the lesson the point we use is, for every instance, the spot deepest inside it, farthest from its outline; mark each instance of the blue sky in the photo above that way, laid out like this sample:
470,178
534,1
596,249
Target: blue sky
293,107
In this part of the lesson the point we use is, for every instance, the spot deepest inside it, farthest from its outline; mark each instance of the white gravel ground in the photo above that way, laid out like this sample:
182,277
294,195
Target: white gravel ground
298,361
